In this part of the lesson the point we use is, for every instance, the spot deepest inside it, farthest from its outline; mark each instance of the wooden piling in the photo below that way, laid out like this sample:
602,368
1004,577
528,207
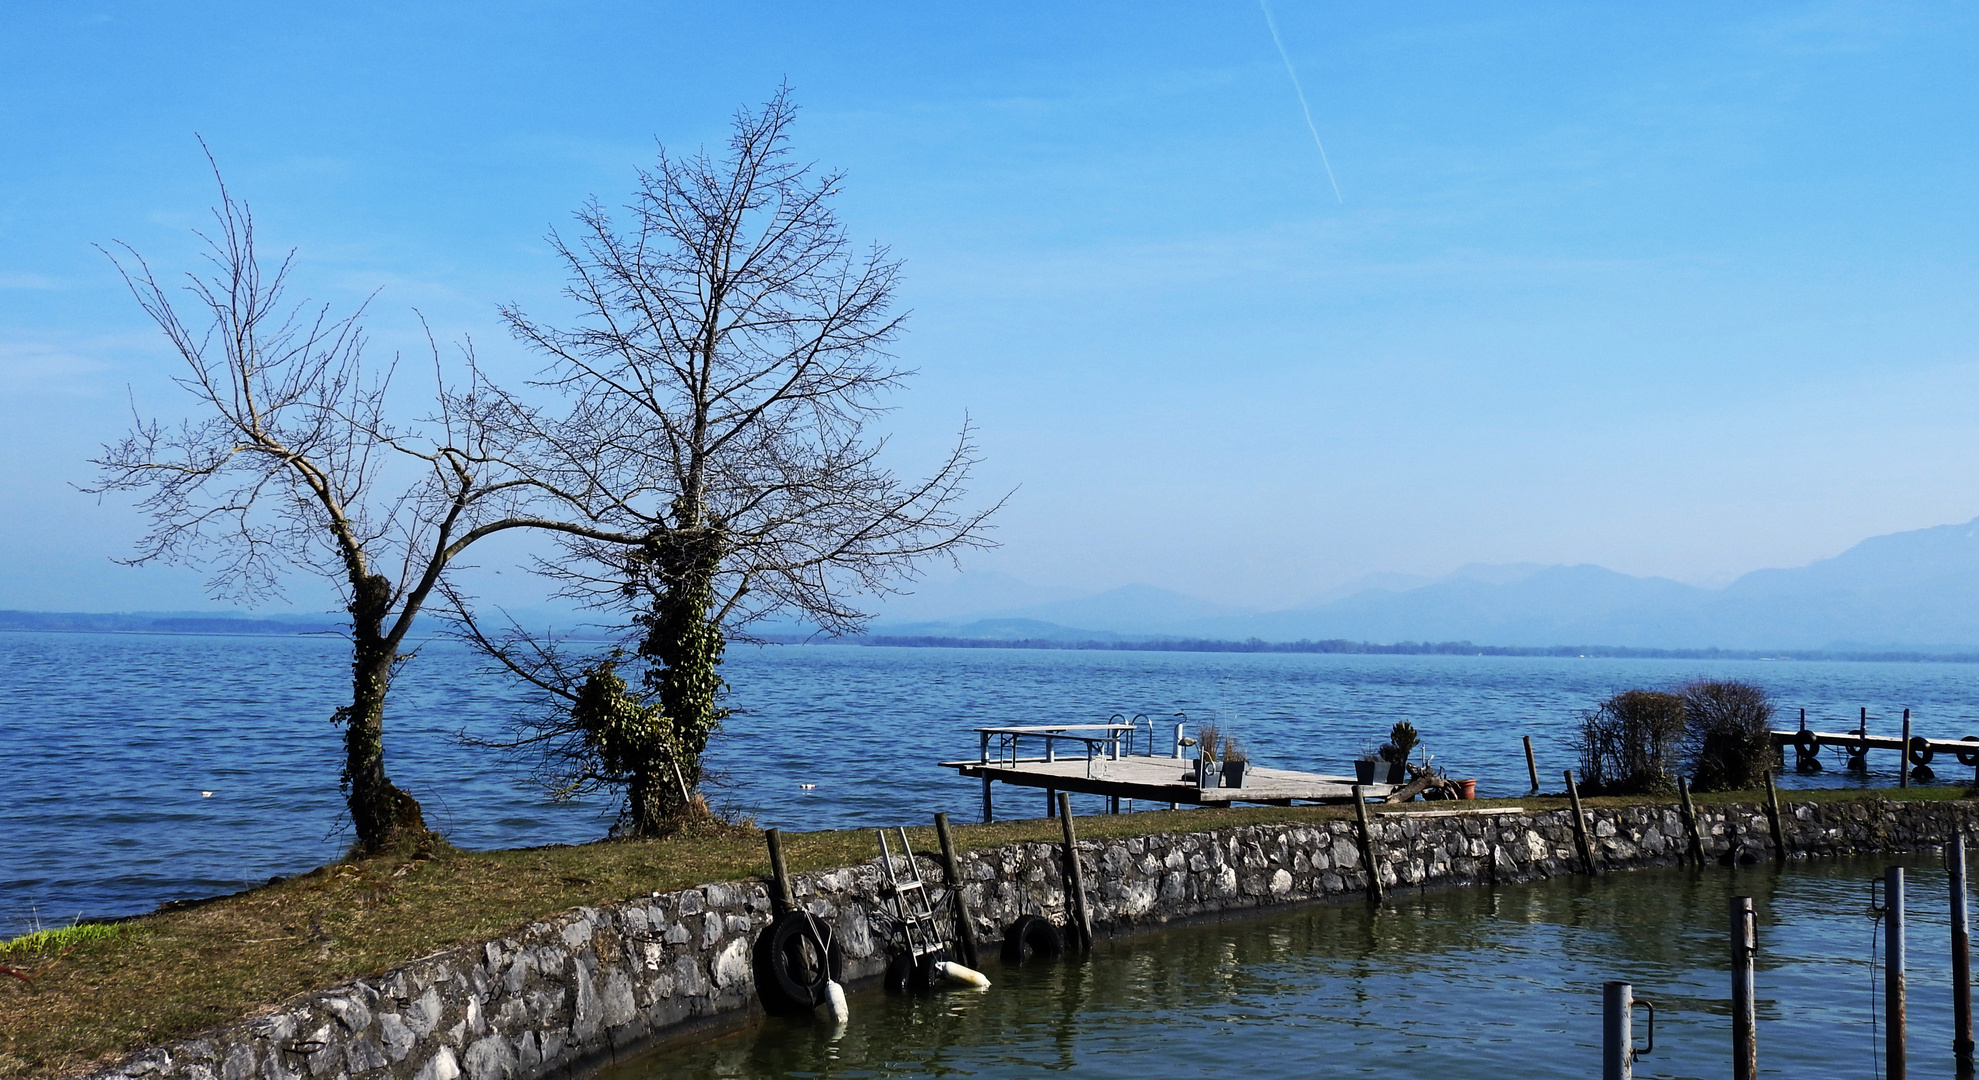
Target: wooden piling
1689,814
1961,955
1903,754
1368,849
780,894
965,923
1580,827
1773,818
1531,764
1895,1018
1075,877
1745,1016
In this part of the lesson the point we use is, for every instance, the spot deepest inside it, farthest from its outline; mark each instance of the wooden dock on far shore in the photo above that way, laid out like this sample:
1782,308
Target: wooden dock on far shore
1103,769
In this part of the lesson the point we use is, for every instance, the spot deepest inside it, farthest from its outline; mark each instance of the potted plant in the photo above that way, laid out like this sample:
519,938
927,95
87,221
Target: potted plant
1206,773
1369,768
1235,763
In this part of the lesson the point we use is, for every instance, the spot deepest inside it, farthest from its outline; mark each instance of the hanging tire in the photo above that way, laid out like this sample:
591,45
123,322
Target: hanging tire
1919,751
1807,742
790,979
1032,937
1969,759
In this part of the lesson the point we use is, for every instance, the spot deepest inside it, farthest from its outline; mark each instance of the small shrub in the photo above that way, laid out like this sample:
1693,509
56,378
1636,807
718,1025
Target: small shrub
1629,744
1402,741
1728,743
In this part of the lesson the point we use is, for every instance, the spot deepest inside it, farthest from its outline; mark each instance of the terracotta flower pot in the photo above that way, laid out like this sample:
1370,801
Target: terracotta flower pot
1467,789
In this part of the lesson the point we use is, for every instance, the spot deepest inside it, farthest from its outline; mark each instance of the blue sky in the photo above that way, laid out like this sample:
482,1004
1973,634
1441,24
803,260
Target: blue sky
1676,289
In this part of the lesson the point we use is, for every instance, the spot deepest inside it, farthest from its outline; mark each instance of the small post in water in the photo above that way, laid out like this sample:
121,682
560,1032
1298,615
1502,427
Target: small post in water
1531,764
1961,956
1617,1034
785,900
1903,753
1773,818
1894,1022
1690,823
965,923
1368,859
1075,876
1580,827
1745,1019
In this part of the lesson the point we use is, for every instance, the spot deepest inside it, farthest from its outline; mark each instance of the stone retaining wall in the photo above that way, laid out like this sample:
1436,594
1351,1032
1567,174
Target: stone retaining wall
571,993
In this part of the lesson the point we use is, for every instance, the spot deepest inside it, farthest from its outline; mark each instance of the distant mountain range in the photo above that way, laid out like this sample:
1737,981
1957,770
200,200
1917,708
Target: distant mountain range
1912,591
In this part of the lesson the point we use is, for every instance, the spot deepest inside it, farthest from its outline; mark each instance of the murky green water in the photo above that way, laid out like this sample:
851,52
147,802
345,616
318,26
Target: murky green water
1473,983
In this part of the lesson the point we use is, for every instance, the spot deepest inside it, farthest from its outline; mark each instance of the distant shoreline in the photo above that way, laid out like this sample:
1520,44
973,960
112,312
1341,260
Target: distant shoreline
174,624
1404,648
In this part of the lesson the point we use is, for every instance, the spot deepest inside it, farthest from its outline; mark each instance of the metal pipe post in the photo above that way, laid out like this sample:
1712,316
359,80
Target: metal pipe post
1745,1018
782,895
1075,876
1961,956
1895,1024
1370,860
1531,763
965,922
1773,818
1617,1031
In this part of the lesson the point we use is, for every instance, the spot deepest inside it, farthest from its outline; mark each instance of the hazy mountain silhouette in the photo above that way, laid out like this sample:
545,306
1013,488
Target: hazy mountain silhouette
1914,590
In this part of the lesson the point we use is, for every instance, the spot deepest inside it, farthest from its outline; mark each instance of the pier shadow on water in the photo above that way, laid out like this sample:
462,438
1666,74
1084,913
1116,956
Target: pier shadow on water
1481,982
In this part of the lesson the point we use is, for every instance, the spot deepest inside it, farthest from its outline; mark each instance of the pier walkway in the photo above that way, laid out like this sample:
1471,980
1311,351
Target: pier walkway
1102,763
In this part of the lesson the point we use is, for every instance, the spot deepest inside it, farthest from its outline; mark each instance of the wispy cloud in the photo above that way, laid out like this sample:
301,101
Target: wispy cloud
1272,24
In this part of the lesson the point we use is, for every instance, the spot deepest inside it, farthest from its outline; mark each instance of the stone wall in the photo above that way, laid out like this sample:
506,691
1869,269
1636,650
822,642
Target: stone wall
568,994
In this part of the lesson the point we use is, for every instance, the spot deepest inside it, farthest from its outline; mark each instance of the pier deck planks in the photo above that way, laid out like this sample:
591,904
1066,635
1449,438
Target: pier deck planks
1156,779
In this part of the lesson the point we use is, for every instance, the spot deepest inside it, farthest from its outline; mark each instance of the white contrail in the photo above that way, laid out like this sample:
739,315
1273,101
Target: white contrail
1272,24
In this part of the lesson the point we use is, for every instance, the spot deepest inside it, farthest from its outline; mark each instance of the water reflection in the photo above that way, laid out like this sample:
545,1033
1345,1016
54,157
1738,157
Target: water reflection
1492,982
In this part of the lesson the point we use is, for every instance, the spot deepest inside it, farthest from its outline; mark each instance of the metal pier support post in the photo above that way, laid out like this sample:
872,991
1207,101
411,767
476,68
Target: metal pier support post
1618,1052
1894,1022
1531,764
989,811
1745,1017
1961,956
1581,839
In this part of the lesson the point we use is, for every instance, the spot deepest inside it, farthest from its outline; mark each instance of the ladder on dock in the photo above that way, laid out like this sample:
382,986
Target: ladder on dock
912,906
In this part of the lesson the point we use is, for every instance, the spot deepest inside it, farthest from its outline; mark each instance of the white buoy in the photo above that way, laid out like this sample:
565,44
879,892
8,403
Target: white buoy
835,997
967,976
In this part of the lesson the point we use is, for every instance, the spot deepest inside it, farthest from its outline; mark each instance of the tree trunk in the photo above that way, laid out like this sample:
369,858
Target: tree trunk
683,651
380,811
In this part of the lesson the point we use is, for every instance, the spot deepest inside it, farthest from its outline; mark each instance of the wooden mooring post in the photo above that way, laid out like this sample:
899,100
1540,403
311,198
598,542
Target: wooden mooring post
965,923
1368,849
1689,814
1745,1016
780,894
1961,955
1581,838
1773,818
1531,764
1903,754
1895,1020
1075,877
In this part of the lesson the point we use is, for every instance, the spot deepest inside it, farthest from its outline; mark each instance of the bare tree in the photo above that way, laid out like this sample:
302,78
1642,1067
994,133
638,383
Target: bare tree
723,371
291,461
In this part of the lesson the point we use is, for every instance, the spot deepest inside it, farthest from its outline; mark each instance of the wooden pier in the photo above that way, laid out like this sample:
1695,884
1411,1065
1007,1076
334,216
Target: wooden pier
1103,764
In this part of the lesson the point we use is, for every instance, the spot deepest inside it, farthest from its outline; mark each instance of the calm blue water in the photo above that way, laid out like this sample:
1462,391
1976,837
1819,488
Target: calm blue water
1487,983
110,740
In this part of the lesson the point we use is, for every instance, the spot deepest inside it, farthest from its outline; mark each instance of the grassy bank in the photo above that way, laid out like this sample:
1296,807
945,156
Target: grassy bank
70,998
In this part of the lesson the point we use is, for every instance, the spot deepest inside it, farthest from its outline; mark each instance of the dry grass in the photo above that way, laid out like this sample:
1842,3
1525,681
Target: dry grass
81,998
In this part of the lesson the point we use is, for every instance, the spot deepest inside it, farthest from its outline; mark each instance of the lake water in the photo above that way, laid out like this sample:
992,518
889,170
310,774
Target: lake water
111,742
1502,982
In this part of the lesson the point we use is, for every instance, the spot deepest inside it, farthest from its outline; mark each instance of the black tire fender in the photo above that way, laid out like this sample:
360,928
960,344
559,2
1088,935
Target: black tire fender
1032,937
1919,750
1969,759
1807,742
785,981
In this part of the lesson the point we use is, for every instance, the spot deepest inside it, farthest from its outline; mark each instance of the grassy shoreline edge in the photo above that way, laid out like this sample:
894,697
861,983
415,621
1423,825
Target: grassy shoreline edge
94,998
